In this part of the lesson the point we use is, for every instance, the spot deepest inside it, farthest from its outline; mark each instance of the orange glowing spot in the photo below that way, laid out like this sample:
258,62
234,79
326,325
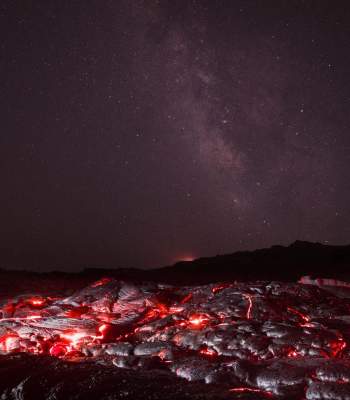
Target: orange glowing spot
8,343
292,354
73,337
218,288
208,352
37,301
102,329
199,320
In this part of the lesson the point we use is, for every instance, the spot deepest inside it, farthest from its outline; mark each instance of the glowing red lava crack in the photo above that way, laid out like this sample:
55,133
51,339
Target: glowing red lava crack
251,390
250,305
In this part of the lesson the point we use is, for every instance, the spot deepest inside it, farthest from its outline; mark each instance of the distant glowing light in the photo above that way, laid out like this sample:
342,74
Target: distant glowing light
186,258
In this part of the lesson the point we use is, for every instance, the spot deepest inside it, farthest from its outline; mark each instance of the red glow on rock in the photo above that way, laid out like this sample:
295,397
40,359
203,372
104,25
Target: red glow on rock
150,315
37,302
304,317
292,354
337,347
199,320
163,355
101,282
251,390
9,343
307,325
77,312
73,337
162,310
159,311
58,350
220,287
103,330
186,299
208,352
342,381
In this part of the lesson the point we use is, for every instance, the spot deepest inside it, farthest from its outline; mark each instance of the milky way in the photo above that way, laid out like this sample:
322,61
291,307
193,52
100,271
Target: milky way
139,133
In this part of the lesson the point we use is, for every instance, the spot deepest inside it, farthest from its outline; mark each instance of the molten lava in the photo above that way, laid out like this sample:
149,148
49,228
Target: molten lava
199,321
208,333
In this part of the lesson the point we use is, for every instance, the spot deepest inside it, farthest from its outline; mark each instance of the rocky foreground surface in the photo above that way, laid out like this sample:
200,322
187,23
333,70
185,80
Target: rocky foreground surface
118,340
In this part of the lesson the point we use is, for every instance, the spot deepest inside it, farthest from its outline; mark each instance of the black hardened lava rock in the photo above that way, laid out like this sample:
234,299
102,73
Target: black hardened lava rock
42,377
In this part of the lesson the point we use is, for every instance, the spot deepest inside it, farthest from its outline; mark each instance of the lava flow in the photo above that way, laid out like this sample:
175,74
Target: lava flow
207,333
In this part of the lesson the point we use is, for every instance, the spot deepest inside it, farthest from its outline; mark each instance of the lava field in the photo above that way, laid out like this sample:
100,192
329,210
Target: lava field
252,340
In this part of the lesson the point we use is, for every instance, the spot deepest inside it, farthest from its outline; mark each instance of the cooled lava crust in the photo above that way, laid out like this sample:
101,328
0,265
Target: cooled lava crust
118,340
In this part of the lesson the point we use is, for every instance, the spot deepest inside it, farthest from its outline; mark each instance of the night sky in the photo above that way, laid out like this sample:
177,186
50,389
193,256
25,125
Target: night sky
137,133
